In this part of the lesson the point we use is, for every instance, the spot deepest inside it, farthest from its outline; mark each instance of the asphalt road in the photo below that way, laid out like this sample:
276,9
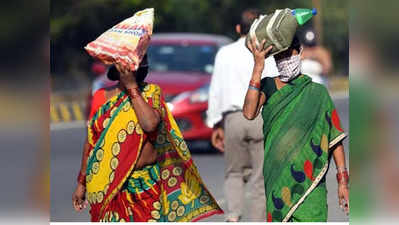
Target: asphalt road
66,150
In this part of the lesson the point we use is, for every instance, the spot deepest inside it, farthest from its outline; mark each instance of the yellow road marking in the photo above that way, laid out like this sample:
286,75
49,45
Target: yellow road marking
66,115
53,114
77,111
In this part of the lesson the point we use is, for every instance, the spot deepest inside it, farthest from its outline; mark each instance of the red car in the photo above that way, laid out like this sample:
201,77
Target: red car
181,64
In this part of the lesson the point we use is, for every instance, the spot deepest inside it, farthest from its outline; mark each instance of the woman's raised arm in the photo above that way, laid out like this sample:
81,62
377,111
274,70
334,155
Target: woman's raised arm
254,98
147,116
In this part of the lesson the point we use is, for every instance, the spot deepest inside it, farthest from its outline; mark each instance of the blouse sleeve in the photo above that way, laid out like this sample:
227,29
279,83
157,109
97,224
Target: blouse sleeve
154,99
267,86
97,101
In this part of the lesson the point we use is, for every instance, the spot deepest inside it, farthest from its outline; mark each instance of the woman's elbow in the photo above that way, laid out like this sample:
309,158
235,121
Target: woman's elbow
151,126
248,115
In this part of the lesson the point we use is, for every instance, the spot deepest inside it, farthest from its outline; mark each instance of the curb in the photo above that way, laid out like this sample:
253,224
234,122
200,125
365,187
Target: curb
70,107
67,125
65,112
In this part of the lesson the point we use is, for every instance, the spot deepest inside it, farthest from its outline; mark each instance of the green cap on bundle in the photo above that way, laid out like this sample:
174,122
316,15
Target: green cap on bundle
279,28
303,15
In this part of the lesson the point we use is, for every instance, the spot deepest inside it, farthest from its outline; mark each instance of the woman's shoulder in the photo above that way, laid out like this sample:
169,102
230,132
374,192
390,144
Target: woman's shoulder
268,86
99,94
151,87
267,79
267,82
97,101
319,88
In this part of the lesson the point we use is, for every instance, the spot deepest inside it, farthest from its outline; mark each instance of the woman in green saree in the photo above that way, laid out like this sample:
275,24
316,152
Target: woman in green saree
301,131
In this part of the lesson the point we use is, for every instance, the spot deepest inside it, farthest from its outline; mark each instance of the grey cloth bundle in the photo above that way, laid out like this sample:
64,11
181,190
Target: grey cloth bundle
278,29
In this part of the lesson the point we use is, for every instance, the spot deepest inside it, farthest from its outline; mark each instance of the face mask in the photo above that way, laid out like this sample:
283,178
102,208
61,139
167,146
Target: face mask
140,74
289,67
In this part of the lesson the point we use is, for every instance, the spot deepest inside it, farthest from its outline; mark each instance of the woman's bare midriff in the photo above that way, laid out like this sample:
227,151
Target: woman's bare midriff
148,156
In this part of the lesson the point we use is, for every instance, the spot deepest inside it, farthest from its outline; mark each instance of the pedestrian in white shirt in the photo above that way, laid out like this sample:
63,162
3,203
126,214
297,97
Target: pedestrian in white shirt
241,140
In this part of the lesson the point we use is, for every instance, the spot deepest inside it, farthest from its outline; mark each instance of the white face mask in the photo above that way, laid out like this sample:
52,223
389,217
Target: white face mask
289,67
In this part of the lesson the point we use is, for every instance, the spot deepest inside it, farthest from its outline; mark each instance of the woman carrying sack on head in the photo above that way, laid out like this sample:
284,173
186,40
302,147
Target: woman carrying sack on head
301,130
136,165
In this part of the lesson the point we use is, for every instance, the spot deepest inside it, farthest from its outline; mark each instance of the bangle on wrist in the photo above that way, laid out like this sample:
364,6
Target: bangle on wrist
343,177
81,178
253,88
255,84
341,169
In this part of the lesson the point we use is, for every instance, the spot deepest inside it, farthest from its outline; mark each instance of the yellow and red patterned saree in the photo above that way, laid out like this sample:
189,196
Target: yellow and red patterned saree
170,190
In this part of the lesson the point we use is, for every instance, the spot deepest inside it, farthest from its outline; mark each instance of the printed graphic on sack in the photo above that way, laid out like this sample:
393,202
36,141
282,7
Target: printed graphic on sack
126,42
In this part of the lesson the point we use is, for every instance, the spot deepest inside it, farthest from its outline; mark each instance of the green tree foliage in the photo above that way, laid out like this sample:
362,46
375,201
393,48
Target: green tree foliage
74,23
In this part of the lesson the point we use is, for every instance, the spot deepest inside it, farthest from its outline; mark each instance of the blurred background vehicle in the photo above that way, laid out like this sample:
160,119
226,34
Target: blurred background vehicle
189,109
182,65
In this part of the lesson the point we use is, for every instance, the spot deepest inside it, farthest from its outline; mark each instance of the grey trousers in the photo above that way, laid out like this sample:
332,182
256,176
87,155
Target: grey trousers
243,152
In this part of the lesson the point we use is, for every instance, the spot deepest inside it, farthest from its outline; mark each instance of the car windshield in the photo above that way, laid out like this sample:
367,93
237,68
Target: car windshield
174,57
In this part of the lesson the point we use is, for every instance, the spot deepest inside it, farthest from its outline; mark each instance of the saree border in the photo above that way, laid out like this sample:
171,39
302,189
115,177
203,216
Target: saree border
102,135
119,186
207,214
315,182
337,139
194,170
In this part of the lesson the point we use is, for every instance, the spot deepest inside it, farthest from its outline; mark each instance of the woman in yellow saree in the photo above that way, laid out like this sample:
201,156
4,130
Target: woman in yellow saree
136,165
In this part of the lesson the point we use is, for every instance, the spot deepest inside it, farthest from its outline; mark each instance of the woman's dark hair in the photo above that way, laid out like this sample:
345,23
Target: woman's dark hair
296,43
141,73
247,18
113,73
